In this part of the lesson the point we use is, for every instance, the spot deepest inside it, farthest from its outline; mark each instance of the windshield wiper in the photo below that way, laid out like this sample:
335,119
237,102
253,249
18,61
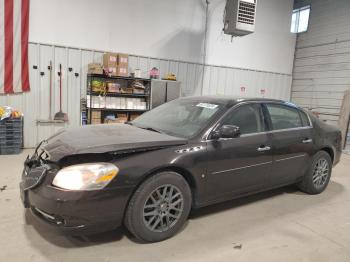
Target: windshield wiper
145,127
152,129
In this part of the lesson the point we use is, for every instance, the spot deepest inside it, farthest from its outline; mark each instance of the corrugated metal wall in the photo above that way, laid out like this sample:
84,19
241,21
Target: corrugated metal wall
321,71
216,80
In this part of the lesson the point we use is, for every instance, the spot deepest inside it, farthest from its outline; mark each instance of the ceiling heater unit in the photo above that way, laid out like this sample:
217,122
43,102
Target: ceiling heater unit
239,17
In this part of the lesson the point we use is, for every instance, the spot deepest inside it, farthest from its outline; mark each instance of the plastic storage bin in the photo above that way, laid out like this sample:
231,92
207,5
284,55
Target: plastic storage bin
11,136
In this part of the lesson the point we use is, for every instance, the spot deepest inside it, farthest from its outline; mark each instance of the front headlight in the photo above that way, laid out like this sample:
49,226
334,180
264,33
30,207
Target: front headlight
90,176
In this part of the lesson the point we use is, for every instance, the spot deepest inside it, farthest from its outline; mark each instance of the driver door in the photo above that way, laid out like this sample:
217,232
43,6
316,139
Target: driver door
243,164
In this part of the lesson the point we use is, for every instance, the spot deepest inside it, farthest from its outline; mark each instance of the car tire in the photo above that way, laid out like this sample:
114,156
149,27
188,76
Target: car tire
318,175
159,207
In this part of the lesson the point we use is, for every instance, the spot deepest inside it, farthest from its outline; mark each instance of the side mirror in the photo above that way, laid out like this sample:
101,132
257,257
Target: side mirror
226,131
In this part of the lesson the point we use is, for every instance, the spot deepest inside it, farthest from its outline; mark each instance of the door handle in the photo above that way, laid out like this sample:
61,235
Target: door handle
263,148
307,140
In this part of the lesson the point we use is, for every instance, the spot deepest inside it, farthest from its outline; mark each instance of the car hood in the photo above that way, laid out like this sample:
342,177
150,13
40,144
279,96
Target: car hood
106,138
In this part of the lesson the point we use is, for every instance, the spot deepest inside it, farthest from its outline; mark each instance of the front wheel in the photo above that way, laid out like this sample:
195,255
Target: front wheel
318,175
159,207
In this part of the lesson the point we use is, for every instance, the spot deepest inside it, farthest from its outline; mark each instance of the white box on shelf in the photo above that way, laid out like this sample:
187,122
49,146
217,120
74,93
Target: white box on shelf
129,103
95,102
109,102
139,103
112,103
102,101
122,103
88,101
116,102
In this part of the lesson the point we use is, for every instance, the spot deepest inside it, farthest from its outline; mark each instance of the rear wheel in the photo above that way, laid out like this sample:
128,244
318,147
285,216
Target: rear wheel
318,175
159,208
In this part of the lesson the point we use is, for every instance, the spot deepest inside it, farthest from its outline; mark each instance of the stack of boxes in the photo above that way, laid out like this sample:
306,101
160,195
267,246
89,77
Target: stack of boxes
110,63
95,117
123,65
116,64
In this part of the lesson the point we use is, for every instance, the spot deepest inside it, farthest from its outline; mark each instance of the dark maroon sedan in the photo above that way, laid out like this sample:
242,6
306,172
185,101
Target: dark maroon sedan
189,153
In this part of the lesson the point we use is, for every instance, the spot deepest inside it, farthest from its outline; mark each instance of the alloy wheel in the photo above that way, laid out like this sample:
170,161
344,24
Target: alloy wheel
321,173
163,208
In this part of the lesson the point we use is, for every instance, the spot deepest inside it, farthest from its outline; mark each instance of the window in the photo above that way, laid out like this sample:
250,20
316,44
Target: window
180,117
304,118
300,19
283,117
248,118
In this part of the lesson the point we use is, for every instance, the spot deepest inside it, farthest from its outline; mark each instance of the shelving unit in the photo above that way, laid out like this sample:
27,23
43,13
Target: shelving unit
124,82
121,110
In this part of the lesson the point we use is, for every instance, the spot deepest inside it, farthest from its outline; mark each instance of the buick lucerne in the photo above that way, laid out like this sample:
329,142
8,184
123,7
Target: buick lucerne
149,173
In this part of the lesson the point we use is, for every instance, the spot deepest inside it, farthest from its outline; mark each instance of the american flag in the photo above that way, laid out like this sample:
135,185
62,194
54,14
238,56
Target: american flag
14,26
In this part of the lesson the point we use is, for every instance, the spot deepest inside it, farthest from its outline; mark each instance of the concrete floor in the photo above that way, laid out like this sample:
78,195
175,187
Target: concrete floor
280,225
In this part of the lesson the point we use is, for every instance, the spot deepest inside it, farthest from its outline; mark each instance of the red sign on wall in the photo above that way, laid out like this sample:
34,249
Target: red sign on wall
243,89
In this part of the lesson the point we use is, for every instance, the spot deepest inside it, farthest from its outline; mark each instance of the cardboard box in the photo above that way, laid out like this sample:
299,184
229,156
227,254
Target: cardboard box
95,121
123,59
126,90
111,70
110,121
138,90
122,70
122,118
96,114
113,87
134,116
122,115
110,60
95,68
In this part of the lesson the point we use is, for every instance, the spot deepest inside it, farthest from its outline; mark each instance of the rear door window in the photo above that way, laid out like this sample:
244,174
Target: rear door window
284,117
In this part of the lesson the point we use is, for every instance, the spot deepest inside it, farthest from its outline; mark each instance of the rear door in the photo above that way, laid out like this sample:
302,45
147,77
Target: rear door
292,142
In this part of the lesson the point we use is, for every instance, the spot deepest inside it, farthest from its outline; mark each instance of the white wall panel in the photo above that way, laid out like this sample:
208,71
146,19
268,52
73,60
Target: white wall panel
195,79
169,29
321,70
86,58
73,86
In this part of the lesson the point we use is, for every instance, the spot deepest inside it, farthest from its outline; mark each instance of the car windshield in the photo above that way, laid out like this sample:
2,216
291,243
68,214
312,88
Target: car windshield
181,117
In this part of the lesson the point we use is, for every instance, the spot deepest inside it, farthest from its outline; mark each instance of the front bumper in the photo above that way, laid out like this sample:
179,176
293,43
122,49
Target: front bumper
77,212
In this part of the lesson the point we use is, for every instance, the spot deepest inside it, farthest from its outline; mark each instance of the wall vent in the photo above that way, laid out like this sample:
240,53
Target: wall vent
239,18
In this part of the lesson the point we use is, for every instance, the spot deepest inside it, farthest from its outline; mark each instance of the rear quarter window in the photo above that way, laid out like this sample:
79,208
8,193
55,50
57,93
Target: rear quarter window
304,118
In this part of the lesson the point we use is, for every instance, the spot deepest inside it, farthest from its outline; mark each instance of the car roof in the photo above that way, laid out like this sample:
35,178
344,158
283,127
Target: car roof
231,100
